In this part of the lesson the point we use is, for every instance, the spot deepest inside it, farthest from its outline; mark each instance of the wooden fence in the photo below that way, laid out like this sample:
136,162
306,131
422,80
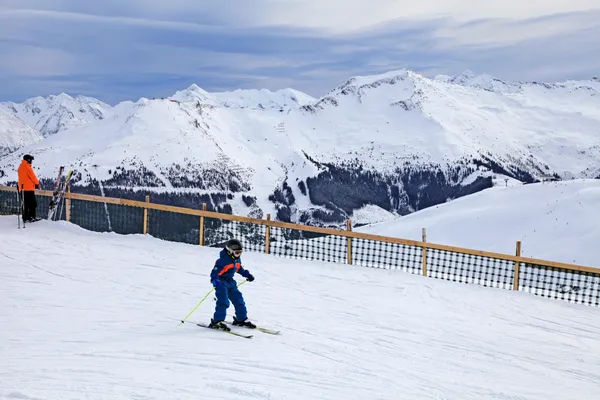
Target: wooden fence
573,283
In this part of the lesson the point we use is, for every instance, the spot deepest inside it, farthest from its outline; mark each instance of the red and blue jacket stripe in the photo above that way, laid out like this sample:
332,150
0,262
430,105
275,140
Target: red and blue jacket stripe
226,267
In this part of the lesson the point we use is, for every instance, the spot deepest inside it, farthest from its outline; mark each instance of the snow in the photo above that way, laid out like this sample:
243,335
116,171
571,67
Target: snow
53,114
497,179
360,80
554,221
371,213
252,98
95,315
14,133
483,81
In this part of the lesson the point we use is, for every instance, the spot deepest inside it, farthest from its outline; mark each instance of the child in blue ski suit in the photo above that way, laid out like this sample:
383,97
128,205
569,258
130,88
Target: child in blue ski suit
221,277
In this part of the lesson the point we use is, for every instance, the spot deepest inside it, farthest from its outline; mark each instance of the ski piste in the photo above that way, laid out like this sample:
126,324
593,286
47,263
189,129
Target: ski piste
59,195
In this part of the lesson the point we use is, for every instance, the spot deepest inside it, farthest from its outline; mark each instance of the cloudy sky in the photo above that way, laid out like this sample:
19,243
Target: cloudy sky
118,50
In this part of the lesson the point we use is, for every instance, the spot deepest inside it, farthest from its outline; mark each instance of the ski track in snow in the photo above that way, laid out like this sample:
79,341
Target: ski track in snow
91,315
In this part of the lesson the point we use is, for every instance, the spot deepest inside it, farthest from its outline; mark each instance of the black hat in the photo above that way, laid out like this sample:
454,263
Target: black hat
28,158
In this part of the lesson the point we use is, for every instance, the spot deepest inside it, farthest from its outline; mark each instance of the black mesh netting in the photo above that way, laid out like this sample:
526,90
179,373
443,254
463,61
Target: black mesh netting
574,286
218,231
468,268
107,217
294,243
10,204
174,227
374,253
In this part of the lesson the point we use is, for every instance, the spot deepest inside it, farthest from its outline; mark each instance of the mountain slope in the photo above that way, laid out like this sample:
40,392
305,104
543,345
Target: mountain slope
241,98
406,113
399,142
53,114
15,134
111,329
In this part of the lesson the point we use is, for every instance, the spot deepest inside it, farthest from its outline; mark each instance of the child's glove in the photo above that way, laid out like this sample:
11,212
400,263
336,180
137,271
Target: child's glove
216,283
249,277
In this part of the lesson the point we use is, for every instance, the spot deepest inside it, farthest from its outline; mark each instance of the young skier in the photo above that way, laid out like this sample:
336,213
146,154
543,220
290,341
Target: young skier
221,277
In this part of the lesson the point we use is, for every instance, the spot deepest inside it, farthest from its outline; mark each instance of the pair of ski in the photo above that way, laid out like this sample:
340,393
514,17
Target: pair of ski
232,332
59,192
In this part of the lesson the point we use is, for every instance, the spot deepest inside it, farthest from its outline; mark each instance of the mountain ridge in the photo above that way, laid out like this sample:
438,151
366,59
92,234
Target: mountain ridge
55,113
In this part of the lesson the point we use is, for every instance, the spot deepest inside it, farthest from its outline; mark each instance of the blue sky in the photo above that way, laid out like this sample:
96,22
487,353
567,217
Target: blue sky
127,49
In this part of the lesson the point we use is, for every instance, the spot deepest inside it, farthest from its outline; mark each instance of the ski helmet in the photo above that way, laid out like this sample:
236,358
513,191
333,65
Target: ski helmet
28,158
234,246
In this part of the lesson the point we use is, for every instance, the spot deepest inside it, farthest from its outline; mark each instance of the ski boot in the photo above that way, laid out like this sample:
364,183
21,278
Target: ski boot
245,323
219,325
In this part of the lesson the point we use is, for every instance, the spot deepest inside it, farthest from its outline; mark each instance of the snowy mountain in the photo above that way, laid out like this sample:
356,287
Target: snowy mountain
384,145
53,114
241,98
14,133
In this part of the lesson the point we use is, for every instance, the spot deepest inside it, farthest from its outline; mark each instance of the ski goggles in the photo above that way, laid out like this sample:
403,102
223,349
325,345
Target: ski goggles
237,253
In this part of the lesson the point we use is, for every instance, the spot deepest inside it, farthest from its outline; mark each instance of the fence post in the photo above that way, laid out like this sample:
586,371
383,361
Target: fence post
349,240
424,235
68,205
268,236
202,225
517,267
146,216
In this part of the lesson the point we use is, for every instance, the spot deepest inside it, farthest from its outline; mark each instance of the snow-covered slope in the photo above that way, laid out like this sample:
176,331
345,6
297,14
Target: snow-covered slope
406,114
554,221
397,141
53,114
14,133
240,98
111,329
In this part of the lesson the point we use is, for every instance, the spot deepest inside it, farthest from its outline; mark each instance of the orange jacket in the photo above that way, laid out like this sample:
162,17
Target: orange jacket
27,178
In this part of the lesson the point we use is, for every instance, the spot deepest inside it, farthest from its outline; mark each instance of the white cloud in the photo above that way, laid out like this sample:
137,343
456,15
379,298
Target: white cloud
185,14
503,31
101,19
345,16
328,16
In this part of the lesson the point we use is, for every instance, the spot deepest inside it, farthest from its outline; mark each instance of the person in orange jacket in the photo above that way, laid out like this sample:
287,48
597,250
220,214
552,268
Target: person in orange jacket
28,182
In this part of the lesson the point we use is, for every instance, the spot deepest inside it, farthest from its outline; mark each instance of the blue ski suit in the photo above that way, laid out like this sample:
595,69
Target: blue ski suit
226,287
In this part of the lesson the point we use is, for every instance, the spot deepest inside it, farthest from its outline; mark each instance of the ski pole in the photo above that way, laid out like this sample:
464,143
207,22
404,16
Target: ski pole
18,206
198,305
22,195
201,301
